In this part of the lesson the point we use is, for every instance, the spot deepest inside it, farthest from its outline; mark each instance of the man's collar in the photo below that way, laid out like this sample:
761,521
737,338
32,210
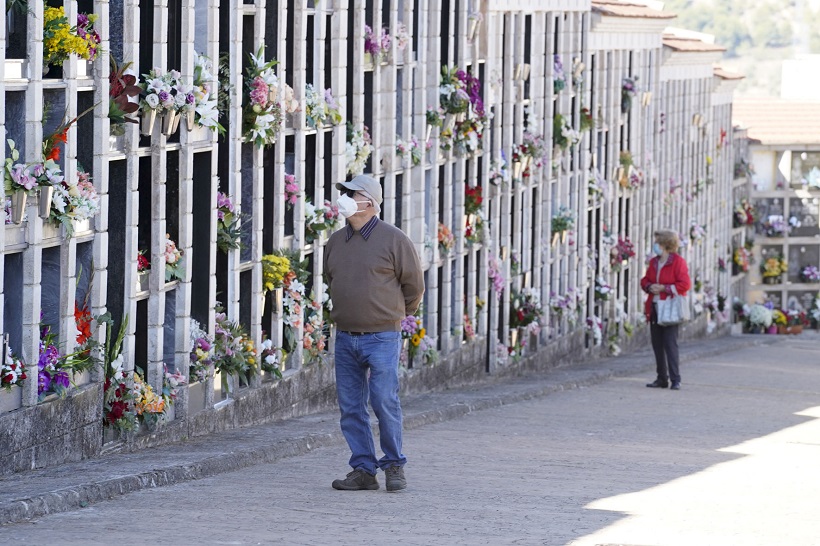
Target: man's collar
366,230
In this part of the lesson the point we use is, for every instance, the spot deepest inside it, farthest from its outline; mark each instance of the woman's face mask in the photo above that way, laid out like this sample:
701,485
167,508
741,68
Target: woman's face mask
656,248
348,206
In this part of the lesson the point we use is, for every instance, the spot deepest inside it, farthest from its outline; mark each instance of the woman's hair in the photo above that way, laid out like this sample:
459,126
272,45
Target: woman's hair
668,239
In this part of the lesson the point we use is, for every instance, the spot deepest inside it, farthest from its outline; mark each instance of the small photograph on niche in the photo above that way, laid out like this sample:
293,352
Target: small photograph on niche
803,216
800,300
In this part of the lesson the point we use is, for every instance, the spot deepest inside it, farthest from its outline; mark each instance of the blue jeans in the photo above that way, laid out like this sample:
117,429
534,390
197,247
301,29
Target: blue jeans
367,366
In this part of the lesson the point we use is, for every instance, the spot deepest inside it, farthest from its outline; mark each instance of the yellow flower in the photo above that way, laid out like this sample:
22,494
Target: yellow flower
422,332
415,340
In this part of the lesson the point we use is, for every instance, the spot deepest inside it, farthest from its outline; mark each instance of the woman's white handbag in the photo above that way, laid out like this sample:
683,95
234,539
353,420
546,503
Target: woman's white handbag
673,310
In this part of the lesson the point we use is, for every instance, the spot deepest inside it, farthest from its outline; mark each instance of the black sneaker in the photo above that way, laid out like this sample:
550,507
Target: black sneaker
395,478
675,385
358,480
658,384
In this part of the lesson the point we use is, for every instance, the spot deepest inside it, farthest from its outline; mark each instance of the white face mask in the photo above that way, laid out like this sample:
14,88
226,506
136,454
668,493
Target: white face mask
348,206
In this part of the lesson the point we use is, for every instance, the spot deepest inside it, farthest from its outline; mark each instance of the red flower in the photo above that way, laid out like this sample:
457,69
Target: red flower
118,409
142,262
83,319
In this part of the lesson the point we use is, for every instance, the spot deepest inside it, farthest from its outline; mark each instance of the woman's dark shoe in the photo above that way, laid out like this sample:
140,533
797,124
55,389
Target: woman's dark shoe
656,384
676,385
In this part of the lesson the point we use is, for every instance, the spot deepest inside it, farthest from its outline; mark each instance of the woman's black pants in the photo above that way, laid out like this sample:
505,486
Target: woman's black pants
665,345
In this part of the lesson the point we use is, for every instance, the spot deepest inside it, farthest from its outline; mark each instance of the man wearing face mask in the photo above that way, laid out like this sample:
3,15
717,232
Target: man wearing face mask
375,279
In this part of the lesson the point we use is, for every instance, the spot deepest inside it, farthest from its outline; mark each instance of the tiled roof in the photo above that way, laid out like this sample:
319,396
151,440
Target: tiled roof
616,8
778,122
689,44
726,75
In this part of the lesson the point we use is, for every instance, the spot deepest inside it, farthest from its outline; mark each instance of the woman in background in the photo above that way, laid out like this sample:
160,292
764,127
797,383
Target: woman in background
665,270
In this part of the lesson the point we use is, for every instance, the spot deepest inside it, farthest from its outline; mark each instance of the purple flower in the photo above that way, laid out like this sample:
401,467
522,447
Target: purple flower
190,99
43,382
164,96
82,20
61,379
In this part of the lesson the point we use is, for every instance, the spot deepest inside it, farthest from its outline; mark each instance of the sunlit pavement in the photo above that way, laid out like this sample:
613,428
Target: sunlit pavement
769,495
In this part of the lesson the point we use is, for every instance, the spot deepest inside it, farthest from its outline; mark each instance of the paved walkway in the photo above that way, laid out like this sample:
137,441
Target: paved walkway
583,455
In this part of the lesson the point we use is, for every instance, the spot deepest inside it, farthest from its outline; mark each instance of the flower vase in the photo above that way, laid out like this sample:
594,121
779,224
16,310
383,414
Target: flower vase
796,329
449,122
142,280
46,193
429,132
18,206
196,397
555,239
189,120
513,337
11,399
563,237
516,169
147,122
771,280
169,122
471,29
772,330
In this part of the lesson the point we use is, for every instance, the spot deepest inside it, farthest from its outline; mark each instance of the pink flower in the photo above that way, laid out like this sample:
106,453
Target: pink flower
259,94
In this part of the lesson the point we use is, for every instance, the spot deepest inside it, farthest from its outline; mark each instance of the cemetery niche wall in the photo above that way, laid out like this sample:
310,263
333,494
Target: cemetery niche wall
170,184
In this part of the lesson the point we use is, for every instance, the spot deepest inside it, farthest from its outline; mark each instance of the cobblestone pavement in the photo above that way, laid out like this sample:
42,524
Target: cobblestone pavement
731,459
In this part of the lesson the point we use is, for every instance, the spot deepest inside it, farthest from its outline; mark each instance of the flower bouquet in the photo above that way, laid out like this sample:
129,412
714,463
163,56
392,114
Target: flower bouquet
562,221
173,256
319,219
500,171
465,117
12,369
563,135
74,201
759,317
292,190
417,343
274,270
321,108
776,226
166,95
228,224
621,252
377,45
313,342
233,350
446,240
810,274
60,39
358,148
268,101
744,214
201,356
602,289
559,78
629,88
272,358
206,100
697,232
740,260
525,308
773,268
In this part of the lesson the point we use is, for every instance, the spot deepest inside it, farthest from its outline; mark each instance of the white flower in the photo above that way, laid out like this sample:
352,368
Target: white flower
152,101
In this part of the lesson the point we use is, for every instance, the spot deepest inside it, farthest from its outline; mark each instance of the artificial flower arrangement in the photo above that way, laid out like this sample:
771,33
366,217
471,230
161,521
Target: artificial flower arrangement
22,180
122,88
629,176
495,275
562,221
525,309
810,273
697,232
531,153
165,94
201,356
74,201
233,349
272,358
434,118
446,240
12,369
319,219
419,343
745,214
473,20
559,79
595,329
629,88
313,342
206,100
775,226
410,149
268,100
779,318
474,216
228,224
292,190
119,400
143,263
563,135
460,99
598,187
602,289
358,148
52,367
377,45
564,305
500,171
321,108
587,122
759,316
60,39
275,268
773,268
740,260
173,257
621,252
469,329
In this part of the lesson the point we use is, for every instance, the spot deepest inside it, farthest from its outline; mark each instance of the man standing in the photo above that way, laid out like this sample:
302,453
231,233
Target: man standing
375,279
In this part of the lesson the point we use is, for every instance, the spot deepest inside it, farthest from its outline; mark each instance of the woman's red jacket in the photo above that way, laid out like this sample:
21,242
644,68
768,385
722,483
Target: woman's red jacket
675,271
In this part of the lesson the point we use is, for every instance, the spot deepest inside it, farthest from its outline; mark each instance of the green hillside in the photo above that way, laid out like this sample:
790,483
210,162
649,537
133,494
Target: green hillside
758,34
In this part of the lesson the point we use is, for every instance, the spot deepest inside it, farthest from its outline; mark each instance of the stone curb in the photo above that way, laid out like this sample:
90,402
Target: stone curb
82,495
